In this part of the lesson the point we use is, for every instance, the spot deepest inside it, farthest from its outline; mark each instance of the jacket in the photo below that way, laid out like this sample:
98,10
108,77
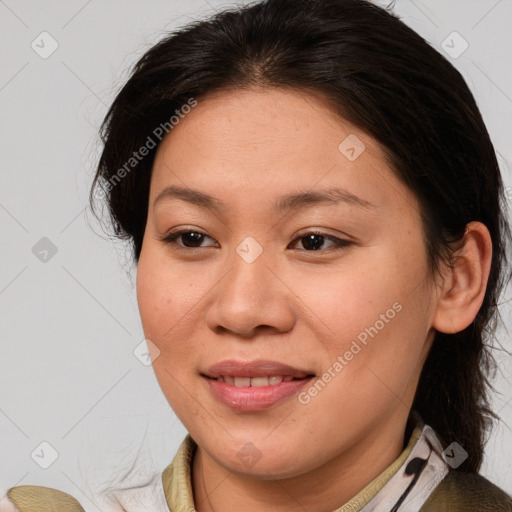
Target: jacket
422,479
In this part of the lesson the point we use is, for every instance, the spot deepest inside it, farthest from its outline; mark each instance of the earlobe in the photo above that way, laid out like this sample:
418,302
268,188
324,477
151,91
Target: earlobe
464,286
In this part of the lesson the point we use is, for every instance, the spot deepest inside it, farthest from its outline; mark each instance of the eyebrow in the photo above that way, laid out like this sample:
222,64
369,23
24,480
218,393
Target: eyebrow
295,201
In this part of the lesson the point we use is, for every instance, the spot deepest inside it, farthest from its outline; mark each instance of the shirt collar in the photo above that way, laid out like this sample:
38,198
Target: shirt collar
402,487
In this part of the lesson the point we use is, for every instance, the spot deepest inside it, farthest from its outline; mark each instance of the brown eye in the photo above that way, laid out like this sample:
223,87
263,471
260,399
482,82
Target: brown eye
315,241
189,238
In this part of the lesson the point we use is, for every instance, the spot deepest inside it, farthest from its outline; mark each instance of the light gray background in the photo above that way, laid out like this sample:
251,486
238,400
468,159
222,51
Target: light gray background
68,375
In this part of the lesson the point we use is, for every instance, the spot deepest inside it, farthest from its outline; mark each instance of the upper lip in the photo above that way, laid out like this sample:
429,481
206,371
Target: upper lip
258,368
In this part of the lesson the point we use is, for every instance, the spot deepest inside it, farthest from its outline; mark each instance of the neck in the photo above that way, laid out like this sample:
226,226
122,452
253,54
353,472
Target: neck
322,489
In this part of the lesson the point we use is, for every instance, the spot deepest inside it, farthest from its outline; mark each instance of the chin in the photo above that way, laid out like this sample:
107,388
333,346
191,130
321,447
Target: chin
261,460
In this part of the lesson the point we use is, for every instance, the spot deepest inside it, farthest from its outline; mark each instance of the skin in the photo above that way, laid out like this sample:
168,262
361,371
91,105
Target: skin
292,304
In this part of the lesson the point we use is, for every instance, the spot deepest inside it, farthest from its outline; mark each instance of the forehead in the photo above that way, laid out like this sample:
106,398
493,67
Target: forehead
260,143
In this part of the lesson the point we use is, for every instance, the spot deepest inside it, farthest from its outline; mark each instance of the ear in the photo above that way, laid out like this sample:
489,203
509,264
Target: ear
464,286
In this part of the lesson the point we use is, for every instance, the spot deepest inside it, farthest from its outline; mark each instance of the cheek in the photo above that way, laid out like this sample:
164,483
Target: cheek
382,357
169,300
377,318
156,292
349,300
163,316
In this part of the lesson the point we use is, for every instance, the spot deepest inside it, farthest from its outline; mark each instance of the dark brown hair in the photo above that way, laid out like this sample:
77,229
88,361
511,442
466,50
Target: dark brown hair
386,79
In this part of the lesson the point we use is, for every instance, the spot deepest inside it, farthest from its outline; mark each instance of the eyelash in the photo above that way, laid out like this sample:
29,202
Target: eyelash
338,242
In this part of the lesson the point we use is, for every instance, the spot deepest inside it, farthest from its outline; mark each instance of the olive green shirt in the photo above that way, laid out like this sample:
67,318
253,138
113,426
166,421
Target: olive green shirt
421,479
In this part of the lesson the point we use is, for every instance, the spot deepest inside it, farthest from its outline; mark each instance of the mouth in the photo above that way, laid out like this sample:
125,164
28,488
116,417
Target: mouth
257,382
254,369
254,386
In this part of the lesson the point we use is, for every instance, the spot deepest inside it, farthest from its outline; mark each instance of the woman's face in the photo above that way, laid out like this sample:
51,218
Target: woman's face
251,295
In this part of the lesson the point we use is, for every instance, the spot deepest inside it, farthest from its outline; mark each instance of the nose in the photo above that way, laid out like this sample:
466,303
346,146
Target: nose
252,297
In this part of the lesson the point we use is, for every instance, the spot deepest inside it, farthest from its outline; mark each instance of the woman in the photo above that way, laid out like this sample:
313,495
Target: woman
316,213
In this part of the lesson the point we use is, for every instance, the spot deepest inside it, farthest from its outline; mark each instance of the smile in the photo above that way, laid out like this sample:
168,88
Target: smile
254,386
242,382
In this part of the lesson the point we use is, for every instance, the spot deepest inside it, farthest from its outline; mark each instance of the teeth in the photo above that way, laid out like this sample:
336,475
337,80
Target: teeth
243,382
259,381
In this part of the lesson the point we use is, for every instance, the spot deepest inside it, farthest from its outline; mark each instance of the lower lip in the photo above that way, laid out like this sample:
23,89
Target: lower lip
254,398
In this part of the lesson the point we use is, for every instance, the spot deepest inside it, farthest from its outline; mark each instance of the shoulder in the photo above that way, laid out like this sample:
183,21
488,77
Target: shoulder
34,498
468,492
146,496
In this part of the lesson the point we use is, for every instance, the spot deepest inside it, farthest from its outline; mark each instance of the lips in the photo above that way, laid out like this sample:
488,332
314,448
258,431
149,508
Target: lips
259,368
256,385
